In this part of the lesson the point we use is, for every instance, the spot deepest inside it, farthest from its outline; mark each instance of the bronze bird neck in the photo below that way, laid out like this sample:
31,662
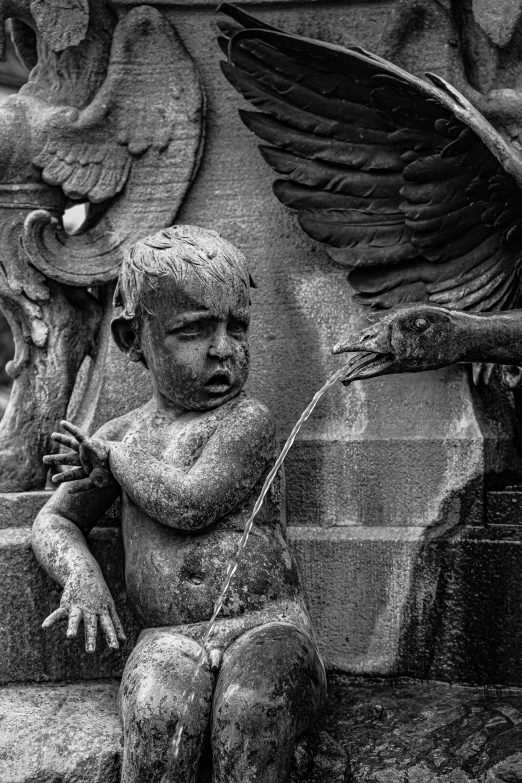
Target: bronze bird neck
414,338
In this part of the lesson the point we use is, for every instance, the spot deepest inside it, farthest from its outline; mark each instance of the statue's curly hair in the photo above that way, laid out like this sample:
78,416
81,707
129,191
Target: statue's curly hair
176,252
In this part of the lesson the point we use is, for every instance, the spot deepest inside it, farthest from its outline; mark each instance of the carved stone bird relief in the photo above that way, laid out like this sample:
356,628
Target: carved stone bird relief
112,116
402,178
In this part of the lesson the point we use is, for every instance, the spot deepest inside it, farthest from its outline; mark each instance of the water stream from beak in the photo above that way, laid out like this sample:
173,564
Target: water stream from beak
345,373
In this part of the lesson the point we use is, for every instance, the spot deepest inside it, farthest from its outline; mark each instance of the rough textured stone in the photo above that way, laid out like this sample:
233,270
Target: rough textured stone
477,606
28,595
67,733
19,509
458,596
367,594
72,734
393,732
414,732
505,507
499,21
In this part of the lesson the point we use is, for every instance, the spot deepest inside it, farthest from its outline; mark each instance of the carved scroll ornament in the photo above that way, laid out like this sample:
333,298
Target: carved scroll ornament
112,116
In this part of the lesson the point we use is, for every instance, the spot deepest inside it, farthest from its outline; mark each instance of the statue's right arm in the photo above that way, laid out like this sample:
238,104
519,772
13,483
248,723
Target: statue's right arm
60,546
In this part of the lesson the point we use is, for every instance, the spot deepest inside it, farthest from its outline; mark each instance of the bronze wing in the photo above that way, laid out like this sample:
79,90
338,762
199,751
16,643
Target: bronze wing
402,179
132,152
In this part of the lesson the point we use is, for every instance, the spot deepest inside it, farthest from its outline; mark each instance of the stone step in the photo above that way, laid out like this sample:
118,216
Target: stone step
28,596
71,733
371,732
68,733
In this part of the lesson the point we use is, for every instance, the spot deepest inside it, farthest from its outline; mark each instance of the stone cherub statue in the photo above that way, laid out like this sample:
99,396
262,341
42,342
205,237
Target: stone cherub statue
188,467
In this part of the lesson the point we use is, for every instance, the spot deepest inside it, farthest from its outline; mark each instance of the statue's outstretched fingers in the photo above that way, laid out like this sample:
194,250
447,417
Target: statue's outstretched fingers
65,440
91,625
110,633
59,614
74,430
120,633
62,459
70,475
75,616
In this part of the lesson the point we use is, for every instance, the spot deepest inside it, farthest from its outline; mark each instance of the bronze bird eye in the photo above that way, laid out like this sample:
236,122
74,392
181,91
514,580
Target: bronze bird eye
420,324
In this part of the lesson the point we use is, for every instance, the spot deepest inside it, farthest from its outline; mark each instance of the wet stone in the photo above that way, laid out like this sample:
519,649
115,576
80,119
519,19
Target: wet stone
372,732
71,733
411,732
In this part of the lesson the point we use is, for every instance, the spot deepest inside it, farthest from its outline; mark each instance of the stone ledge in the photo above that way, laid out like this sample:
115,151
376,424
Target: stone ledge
19,509
71,733
346,574
393,732
28,595
385,601
67,733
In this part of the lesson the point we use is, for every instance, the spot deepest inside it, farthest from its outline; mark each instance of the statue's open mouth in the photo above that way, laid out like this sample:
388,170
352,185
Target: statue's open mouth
367,365
220,382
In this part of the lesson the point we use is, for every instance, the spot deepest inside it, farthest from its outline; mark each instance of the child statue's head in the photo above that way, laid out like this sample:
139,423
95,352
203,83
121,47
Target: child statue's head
185,299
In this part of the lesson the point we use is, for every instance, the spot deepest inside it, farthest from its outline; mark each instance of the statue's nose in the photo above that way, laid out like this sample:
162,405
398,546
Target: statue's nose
220,347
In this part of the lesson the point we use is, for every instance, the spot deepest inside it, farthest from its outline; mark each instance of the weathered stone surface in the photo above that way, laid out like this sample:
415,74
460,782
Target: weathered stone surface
398,732
72,734
384,601
499,21
28,596
19,509
318,758
477,606
505,507
354,579
67,733
414,732
368,590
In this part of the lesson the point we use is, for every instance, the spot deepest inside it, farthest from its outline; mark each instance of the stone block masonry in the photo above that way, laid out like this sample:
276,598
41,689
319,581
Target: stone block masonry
384,601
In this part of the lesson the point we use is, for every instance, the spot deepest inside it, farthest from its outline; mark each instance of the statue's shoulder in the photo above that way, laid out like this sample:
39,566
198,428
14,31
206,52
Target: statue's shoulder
252,413
117,428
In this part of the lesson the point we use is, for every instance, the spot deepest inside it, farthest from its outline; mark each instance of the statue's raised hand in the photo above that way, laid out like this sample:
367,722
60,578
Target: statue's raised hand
86,597
90,456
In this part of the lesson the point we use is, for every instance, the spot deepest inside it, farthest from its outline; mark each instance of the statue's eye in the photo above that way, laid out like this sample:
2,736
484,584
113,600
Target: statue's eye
420,323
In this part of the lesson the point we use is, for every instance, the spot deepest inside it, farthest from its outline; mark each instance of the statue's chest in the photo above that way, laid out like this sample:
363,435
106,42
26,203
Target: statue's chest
179,445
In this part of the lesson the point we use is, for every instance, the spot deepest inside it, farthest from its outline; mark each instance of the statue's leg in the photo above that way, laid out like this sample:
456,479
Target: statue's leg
271,685
152,696
54,328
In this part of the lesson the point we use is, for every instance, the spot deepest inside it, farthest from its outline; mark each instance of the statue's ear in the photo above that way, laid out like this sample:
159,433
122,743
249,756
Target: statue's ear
498,19
61,23
126,338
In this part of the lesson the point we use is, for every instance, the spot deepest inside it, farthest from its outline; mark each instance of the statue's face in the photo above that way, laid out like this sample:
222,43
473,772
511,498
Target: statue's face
195,342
